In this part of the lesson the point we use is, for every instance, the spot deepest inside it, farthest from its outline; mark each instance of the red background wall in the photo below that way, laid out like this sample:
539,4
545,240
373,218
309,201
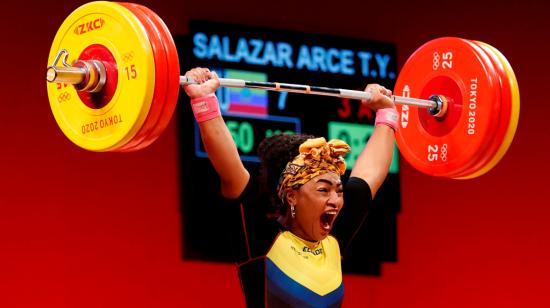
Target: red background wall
81,229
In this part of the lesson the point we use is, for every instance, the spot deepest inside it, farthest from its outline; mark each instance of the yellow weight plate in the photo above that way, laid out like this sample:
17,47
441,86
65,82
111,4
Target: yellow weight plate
514,117
111,124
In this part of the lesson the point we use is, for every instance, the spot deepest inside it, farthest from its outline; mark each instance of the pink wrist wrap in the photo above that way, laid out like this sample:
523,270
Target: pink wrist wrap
387,116
205,108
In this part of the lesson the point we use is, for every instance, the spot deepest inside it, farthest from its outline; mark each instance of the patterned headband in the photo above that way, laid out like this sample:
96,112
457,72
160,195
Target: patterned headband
317,156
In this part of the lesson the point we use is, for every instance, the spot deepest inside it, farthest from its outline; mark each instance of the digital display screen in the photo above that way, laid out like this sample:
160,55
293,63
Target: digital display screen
247,131
258,54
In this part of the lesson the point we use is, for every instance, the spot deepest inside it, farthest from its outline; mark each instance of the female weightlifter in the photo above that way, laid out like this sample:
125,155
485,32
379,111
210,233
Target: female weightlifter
300,263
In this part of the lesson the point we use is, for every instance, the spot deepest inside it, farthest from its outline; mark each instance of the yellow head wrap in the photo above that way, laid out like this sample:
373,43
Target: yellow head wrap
317,156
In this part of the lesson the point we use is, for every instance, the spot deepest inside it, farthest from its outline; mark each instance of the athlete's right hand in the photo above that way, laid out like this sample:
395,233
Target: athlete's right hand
208,82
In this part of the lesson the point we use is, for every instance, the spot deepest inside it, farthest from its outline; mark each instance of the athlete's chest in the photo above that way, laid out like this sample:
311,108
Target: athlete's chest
315,266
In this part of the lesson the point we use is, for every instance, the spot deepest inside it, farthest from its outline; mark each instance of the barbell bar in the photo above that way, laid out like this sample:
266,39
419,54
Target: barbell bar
78,75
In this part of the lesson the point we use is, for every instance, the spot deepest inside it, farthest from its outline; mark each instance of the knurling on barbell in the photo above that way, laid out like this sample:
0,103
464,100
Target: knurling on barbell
125,82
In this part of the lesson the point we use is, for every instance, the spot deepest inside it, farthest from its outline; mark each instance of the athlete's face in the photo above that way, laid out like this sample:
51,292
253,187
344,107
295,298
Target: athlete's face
317,203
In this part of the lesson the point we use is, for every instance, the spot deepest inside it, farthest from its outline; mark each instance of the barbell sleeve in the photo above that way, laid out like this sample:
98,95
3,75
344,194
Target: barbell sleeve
62,74
89,75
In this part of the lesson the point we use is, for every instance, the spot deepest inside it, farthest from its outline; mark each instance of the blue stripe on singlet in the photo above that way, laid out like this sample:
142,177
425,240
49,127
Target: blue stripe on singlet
285,289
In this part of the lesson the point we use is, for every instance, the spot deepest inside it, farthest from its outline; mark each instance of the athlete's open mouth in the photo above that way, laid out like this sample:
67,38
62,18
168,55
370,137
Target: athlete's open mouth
327,219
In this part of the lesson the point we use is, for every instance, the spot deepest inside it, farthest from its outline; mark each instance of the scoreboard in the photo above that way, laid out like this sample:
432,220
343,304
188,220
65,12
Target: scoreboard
259,54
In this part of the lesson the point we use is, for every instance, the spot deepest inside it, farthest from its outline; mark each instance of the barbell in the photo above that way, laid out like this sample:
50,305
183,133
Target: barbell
113,80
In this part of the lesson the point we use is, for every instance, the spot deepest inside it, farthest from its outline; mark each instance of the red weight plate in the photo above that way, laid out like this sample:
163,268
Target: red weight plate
161,67
509,82
173,77
505,115
484,153
448,145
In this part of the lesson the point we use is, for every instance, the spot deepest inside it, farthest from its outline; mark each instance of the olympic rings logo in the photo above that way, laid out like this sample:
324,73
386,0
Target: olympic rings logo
63,97
443,154
127,57
435,60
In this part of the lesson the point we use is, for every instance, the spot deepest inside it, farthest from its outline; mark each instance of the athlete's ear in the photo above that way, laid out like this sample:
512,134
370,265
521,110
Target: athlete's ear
291,196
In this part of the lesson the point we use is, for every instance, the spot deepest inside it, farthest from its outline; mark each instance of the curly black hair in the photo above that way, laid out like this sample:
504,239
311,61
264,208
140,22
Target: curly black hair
275,152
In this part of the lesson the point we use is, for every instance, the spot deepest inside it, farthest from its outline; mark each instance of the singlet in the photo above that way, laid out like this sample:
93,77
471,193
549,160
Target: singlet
277,268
